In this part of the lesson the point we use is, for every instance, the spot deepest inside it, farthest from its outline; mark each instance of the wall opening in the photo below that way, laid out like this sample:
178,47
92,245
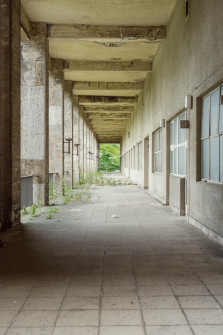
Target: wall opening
109,154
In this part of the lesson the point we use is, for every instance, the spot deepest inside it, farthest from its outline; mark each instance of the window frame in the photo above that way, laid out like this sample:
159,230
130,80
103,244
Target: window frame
159,151
176,146
218,135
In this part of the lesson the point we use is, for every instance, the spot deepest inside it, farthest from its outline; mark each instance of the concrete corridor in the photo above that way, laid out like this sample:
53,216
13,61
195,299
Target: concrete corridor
86,272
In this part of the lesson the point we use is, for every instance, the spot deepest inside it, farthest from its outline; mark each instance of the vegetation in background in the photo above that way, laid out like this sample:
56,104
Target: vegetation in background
109,157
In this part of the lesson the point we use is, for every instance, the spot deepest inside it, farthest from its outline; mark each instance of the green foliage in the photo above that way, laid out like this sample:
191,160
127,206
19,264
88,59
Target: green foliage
51,191
49,216
52,210
67,191
34,209
78,196
109,157
24,211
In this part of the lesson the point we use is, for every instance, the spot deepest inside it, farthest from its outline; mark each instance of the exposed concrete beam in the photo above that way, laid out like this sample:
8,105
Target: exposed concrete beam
25,23
98,101
110,110
107,33
108,66
94,118
107,89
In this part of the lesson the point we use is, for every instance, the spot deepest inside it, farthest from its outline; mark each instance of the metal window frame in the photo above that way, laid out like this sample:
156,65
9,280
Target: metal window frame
177,146
220,88
159,151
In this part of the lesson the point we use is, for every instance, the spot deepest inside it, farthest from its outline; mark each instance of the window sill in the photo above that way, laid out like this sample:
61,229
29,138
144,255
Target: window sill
159,173
210,182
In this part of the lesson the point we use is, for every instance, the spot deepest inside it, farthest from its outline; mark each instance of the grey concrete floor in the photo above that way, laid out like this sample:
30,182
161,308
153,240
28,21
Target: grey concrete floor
145,271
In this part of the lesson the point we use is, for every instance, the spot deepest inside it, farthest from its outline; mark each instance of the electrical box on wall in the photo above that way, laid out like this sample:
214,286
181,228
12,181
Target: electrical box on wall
188,101
184,124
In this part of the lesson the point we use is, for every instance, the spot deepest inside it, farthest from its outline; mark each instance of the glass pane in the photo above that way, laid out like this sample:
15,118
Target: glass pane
161,140
175,131
175,160
214,158
205,159
205,117
182,161
221,159
171,161
221,117
214,112
156,141
158,162
182,132
171,133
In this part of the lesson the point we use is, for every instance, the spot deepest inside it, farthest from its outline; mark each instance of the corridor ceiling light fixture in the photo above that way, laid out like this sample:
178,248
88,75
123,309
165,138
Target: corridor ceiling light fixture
162,123
76,145
188,101
67,141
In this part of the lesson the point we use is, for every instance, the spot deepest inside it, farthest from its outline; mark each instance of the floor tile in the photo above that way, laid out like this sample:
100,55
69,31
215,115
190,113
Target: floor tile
6,317
198,302
121,330
120,303
190,290
164,317
208,329
159,302
78,318
120,318
35,319
205,316
30,331
75,331
80,303
168,330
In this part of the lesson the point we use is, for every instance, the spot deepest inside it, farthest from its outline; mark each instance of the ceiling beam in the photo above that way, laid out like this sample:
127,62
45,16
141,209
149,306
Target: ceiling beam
94,101
109,89
136,66
106,33
25,23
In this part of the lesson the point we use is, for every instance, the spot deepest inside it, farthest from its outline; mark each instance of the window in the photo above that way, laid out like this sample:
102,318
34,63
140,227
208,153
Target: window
134,157
212,136
178,147
140,156
158,150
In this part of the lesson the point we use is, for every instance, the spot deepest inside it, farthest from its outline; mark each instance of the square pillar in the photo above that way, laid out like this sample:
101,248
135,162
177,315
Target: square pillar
68,133
9,113
56,124
34,112
81,148
76,139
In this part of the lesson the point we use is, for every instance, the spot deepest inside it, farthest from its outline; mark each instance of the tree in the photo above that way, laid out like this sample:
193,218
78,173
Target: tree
109,157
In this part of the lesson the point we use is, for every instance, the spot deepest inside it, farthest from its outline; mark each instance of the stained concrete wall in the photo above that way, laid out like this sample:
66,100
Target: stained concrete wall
56,126
34,111
68,132
10,113
188,62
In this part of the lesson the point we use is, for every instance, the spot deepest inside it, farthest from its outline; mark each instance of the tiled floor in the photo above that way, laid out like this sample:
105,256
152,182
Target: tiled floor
145,271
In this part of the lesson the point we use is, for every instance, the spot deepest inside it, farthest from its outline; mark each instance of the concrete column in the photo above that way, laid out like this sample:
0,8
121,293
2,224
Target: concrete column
68,133
76,139
81,147
9,113
85,146
56,124
34,111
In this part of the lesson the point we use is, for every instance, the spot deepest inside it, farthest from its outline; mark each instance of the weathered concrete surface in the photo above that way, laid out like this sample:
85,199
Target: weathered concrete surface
76,139
34,111
188,62
68,132
9,113
144,271
56,126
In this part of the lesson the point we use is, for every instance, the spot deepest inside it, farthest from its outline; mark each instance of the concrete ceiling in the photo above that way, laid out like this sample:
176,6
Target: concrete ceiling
111,31
108,12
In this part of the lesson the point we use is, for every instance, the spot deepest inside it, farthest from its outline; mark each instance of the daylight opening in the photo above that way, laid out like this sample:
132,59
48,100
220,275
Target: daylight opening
109,157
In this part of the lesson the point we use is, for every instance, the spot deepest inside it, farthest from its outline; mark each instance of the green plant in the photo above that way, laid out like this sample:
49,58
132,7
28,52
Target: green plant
34,209
52,210
51,191
78,196
24,211
67,191
113,182
49,216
